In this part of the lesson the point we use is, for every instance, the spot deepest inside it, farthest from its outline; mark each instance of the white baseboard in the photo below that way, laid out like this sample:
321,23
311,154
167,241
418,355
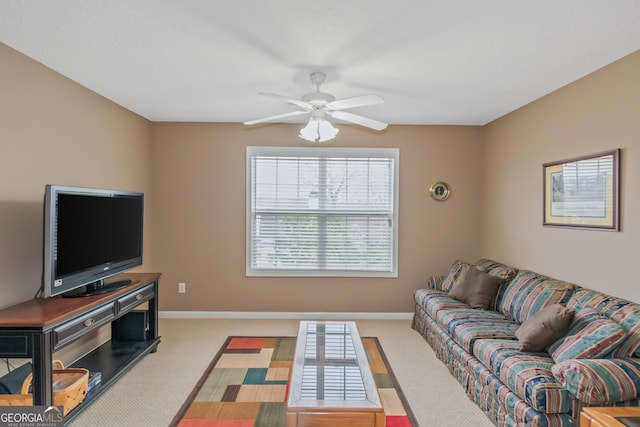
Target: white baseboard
282,315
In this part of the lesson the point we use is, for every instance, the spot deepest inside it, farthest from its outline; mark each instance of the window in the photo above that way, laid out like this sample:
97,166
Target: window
322,212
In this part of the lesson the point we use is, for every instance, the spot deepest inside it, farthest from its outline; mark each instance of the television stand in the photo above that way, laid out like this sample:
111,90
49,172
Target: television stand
35,329
96,288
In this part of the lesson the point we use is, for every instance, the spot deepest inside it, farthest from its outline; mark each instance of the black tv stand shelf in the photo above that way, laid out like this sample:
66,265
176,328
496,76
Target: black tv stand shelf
37,328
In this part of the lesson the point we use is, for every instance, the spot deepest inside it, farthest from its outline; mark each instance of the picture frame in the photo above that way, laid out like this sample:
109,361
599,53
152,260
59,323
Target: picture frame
583,192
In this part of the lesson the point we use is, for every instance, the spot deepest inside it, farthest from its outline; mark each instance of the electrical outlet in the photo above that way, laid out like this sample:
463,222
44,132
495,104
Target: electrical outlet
182,288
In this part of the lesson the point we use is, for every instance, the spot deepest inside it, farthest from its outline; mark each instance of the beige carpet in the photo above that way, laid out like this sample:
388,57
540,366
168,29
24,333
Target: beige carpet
153,391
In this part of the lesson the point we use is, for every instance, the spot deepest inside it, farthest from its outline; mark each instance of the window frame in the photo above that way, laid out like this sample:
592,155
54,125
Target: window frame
253,151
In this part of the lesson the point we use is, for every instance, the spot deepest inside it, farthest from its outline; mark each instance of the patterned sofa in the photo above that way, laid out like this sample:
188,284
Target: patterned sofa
596,363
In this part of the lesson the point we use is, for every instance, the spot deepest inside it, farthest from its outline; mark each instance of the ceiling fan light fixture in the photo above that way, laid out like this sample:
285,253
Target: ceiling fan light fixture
318,131
326,131
310,131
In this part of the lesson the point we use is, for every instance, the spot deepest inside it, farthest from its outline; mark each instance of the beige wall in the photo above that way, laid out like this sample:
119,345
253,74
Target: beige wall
54,131
199,217
599,112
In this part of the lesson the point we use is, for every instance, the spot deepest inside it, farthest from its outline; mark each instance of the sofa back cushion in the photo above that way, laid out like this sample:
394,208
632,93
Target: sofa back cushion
591,336
623,312
491,267
530,292
452,275
502,271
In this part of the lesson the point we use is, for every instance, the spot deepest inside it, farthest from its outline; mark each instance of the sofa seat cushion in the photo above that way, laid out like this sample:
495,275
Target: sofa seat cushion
625,313
487,390
467,330
530,292
528,375
452,316
462,322
433,301
421,296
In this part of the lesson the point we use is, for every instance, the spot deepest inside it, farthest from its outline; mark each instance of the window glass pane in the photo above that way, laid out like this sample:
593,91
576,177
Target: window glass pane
285,241
358,183
285,182
328,211
358,242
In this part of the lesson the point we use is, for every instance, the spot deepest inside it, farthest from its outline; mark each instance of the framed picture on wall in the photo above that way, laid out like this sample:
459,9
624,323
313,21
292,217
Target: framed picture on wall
583,192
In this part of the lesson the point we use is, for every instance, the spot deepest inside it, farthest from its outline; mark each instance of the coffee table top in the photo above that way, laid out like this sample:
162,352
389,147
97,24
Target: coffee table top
330,368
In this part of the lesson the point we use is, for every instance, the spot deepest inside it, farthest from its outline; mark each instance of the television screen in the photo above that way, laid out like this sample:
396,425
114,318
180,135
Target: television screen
90,235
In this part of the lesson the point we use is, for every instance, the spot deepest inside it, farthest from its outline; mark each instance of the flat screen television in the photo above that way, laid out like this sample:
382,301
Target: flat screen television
90,235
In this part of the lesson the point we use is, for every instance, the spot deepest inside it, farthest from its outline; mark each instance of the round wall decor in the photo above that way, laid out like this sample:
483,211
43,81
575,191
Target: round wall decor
439,191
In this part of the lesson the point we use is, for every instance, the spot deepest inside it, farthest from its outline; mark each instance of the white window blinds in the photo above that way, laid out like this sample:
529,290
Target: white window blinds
322,212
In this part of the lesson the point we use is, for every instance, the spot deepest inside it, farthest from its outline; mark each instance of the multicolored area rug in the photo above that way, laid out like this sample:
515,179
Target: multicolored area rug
246,385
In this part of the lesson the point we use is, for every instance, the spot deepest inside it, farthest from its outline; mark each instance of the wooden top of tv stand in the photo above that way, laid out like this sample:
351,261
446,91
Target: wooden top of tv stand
41,313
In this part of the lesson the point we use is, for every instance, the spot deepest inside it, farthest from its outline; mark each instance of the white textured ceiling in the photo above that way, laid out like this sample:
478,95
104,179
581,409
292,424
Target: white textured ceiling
434,62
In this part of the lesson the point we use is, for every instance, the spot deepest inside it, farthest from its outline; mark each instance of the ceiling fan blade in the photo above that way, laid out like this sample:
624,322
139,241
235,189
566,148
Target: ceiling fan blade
357,101
277,116
299,103
359,120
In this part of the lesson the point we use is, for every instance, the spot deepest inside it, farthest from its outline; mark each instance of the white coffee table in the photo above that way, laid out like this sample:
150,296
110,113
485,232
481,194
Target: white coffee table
331,382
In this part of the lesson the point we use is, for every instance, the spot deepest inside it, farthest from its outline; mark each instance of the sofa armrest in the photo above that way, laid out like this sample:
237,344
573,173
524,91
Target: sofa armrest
600,381
435,282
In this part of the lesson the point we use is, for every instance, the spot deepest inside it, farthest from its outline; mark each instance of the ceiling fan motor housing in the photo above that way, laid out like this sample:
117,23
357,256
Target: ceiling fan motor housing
318,99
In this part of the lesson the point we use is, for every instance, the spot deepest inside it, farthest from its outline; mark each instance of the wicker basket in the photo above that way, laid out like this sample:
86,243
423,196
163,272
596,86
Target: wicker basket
16,400
69,389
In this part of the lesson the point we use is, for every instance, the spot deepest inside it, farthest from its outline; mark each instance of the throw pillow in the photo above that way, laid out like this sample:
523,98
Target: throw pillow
544,328
474,287
591,336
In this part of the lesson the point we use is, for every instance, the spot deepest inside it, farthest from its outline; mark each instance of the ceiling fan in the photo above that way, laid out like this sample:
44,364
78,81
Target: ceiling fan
319,105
